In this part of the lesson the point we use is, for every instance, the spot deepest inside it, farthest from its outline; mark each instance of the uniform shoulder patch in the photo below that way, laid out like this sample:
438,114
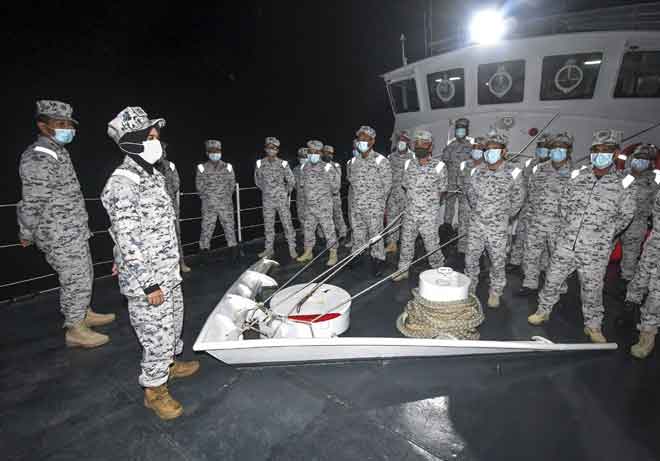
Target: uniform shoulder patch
327,167
535,169
575,173
302,167
172,166
583,167
337,165
45,150
258,163
528,163
627,181
285,164
463,165
516,172
200,168
473,171
230,168
657,176
439,167
379,159
406,165
352,161
134,177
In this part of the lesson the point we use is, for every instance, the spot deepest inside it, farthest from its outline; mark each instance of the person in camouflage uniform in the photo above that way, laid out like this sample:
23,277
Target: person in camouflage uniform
371,179
327,155
644,189
495,194
300,198
425,182
142,225
596,205
349,203
274,178
397,199
216,183
464,170
173,187
545,188
459,149
319,183
647,280
541,155
52,216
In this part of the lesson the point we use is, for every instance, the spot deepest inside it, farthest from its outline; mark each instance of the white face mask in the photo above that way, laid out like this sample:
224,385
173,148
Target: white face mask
363,146
402,146
153,151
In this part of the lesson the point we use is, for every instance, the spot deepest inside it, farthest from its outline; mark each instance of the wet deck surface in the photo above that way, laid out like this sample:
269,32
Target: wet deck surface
61,404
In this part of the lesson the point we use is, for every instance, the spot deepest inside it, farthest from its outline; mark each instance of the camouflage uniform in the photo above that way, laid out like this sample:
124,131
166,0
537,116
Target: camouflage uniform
453,154
147,255
424,187
546,186
275,180
495,197
52,215
371,180
643,189
216,182
592,212
300,198
464,170
173,187
396,202
318,182
337,211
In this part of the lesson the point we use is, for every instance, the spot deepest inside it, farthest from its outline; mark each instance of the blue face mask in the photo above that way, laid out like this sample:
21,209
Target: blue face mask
492,156
639,164
355,153
602,160
64,135
314,158
542,152
215,157
558,154
477,154
461,132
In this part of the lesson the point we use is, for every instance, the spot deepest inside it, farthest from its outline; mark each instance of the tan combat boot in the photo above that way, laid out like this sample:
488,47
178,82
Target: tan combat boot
81,335
185,268
307,256
595,335
644,346
493,301
391,247
161,402
267,253
180,369
94,319
401,276
332,260
292,253
537,318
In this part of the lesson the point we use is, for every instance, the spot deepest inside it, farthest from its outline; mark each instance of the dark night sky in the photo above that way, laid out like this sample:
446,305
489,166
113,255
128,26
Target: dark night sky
237,71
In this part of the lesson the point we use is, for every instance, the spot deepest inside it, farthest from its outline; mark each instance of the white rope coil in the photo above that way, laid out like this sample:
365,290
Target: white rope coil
422,318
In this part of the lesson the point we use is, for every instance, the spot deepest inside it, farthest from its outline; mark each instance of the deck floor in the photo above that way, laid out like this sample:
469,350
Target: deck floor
61,404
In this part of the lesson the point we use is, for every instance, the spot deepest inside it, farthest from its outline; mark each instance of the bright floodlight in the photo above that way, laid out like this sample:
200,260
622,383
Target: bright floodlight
487,27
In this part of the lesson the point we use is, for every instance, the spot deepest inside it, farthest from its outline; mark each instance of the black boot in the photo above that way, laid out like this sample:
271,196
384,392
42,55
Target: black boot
377,267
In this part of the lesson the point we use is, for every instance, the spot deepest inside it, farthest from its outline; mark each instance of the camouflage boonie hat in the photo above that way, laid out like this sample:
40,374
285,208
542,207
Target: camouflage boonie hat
302,152
462,123
131,119
563,138
272,140
647,151
480,141
607,137
423,135
314,144
495,136
212,144
366,130
328,149
55,109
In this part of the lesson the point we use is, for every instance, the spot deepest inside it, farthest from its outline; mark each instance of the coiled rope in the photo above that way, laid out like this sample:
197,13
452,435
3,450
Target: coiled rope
422,318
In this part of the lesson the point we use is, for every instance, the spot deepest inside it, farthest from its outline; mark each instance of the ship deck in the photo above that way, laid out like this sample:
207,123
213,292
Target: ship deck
59,404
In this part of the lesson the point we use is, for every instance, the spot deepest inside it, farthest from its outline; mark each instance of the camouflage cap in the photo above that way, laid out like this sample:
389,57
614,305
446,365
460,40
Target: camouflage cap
315,145
563,138
497,137
212,144
55,109
366,130
328,149
423,135
462,123
647,151
544,138
612,137
302,152
480,141
272,140
129,120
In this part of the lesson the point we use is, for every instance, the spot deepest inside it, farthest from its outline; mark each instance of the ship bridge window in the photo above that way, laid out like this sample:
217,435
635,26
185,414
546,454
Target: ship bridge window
570,76
639,76
501,82
403,95
446,88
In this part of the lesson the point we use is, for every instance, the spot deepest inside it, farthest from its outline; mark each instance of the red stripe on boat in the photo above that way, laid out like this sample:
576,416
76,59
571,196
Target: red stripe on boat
313,318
